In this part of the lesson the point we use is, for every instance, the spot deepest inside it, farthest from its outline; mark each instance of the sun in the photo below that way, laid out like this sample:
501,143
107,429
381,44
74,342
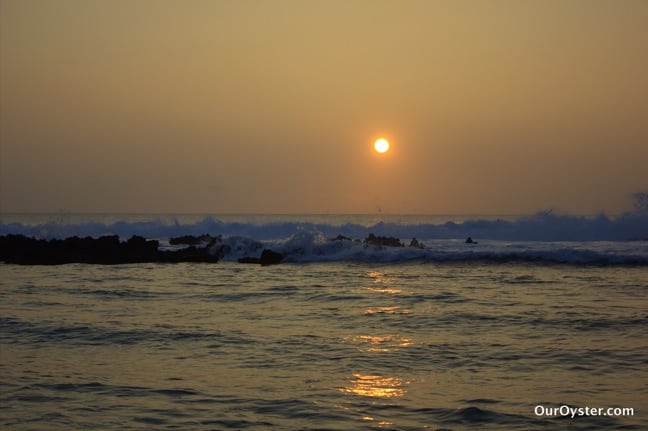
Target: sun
381,145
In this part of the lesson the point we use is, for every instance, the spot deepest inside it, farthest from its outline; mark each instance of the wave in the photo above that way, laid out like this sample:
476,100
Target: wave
307,247
543,237
25,332
544,226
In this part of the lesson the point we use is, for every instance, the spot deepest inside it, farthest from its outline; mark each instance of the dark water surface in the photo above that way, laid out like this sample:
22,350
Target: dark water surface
342,346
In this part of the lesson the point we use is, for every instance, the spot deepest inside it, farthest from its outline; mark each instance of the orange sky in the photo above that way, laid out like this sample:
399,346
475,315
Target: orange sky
493,107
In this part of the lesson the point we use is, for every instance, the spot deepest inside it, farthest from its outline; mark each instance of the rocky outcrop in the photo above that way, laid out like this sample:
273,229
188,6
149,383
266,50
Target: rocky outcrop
104,250
341,237
194,240
416,243
383,241
268,257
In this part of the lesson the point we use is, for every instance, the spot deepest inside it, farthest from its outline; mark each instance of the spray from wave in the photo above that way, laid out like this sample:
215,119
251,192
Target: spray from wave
540,238
544,226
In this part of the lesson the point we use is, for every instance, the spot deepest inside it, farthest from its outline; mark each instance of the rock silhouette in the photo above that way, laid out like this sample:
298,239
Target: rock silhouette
103,250
383,240
268,257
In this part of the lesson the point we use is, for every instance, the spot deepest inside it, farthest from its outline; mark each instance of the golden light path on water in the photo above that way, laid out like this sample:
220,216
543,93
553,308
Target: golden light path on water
384,343
235,346
383,283
376,385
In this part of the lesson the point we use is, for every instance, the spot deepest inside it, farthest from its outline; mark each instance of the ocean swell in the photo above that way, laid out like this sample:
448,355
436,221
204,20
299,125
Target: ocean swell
544,226
542,238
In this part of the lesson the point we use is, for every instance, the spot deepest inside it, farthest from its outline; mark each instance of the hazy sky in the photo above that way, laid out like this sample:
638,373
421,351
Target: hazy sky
271,106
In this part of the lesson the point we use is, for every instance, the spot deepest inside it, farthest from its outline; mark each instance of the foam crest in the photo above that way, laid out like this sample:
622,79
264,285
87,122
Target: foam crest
538,227
543,237
312,246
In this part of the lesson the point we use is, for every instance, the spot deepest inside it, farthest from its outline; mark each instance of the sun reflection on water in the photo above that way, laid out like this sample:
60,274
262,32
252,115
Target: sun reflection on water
386,343
379,277
384,289
376,386
394,309
382,283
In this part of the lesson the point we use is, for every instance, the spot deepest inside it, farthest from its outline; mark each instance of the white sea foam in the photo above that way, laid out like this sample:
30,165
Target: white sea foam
313,247
543,237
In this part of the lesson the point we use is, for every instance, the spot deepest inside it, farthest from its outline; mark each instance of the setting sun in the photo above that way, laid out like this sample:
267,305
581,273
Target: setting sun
381,145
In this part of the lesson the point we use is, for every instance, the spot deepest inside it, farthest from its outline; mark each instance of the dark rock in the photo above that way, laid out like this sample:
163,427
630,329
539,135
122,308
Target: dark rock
138,249
104,250
341,238
189,254
194,240
383,240
248,259
269,257
469,240
416,243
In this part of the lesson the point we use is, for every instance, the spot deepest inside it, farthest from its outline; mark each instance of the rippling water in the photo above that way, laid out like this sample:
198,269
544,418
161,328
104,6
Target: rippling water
342,346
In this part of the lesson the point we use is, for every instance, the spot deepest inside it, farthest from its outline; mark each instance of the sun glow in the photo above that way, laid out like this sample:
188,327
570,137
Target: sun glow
381,145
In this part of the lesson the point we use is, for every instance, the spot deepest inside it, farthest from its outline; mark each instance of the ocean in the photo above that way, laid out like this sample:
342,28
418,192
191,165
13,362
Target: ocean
540,325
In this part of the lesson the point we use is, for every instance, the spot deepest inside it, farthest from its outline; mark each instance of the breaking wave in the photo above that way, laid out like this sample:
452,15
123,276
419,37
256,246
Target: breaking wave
543,237
544,226
305,246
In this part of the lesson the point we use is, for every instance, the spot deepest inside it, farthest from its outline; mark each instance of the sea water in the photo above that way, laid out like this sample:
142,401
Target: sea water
505,335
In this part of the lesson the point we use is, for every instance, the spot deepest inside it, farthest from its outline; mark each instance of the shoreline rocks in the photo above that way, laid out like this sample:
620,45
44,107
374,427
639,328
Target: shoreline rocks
195,240
383,241
107,250
268,257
